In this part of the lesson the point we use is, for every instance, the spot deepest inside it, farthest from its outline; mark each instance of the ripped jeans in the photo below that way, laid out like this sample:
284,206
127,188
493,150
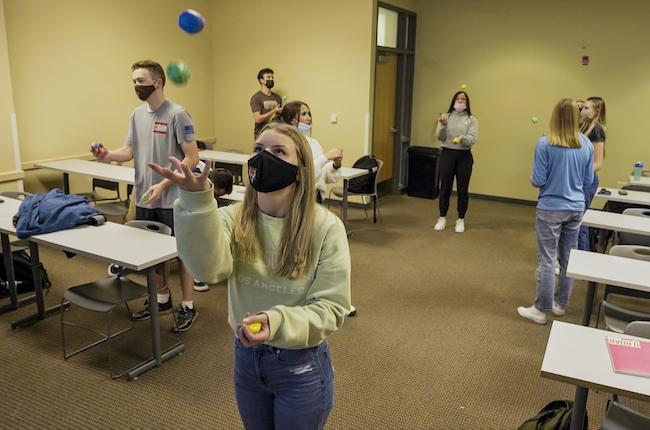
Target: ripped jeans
280,388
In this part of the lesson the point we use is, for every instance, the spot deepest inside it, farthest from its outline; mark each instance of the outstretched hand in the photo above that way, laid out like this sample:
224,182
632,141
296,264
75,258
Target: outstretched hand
183,176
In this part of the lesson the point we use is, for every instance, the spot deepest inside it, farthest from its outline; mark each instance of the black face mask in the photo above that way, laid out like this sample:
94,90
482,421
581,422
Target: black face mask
269,83
268,173
144,91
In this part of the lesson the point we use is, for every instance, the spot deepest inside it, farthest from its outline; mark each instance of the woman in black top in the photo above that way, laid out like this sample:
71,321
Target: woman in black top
593,124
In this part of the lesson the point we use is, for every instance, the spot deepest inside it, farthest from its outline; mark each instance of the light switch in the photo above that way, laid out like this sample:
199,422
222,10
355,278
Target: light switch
333,118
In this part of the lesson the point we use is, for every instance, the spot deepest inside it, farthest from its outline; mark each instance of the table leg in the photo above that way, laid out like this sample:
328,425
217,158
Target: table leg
38,290
344,203
66,183
579,408
158,356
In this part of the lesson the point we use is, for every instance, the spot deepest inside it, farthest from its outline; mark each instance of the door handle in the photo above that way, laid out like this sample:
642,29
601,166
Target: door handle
393,130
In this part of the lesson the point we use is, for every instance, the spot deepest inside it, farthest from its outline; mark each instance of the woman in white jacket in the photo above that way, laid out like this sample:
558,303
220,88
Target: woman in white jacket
326,165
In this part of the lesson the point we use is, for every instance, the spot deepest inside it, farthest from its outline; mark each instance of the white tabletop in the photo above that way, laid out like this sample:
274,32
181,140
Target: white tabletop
9,207
106,171
224,157
129,247
352,172
578,355
609,269
616,221
637,197
643,180
237,195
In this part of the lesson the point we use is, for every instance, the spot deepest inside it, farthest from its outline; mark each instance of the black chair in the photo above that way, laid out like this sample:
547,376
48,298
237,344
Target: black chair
105,296
369,189
119,208
617,319
620,417
102,184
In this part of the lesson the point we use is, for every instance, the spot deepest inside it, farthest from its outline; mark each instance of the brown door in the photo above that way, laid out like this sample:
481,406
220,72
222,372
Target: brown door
384,124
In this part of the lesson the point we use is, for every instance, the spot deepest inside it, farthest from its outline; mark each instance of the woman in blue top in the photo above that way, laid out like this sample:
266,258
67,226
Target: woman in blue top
563,167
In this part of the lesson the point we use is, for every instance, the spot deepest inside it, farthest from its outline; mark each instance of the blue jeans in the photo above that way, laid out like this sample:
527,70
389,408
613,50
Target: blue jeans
283,388
590,191
557,235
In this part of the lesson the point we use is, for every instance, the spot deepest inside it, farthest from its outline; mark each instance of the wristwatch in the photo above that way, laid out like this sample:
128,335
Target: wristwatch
337,167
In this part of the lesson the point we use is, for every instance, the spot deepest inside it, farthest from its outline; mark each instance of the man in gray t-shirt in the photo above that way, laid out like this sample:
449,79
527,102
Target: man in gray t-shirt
264,103
158,130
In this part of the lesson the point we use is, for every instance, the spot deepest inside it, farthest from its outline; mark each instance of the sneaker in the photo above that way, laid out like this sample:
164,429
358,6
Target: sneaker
533,314
558,309
114,270
200,286
186,318
441,224
144,314
557,268
460,226
353,311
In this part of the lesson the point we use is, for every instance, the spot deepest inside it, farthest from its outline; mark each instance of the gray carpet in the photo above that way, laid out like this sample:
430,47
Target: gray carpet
436,344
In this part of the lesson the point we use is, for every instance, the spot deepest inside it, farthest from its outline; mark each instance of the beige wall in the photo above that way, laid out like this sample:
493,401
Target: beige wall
70,71
7,163
321,53
517,60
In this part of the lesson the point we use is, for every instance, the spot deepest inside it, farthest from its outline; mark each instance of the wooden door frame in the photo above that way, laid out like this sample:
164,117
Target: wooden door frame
405,53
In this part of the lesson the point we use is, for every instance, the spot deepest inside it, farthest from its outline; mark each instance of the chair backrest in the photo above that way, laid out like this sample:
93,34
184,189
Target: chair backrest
620,417
637,212
638,328
617,318
20,195
631,238
637,252
366,184
154,226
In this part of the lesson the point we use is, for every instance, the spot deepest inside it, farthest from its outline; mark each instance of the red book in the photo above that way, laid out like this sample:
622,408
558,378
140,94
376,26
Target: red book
629,356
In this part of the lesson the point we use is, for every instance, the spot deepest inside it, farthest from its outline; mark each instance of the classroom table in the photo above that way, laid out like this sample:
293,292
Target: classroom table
8,208
93,169
607,269
237,194
128,247
224,157
571,347
643,180
634,197
608,221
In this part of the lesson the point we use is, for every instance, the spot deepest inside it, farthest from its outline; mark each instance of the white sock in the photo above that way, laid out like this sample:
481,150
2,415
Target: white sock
163,298
188,305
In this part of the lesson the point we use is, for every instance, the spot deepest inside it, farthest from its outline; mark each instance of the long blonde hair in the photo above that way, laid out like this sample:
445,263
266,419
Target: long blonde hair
600,118
296,244
563,127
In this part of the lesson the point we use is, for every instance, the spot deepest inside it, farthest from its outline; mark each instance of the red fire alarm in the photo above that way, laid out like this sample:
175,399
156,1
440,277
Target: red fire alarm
585,60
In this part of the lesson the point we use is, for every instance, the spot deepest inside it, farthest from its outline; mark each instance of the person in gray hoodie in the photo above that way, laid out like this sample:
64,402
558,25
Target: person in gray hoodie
457,131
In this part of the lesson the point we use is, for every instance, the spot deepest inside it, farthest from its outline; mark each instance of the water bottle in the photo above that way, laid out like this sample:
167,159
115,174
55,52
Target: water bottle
638,169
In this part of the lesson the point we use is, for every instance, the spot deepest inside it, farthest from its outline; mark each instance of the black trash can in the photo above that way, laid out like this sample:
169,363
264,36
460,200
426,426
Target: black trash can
422,172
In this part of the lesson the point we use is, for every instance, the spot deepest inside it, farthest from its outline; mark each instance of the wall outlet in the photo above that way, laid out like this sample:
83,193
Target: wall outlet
621,184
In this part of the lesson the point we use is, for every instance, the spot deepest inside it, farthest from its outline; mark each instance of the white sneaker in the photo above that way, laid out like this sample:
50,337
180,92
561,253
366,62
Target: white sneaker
557,268
460,225
558,309
441,224
200,286
533,314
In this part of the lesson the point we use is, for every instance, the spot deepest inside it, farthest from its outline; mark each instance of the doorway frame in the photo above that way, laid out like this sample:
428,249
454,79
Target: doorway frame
405,52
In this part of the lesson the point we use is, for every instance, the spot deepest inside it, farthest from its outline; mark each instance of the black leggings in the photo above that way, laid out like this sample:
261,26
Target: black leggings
455,163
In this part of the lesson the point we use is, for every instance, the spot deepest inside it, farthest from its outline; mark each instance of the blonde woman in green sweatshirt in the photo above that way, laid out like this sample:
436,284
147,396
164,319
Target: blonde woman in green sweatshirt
287,262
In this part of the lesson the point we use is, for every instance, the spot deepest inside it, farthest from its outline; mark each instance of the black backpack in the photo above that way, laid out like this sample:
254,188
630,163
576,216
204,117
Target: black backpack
23,273
554,416
364,184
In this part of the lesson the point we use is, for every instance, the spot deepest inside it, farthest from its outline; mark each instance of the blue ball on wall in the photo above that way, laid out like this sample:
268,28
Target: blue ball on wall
191,21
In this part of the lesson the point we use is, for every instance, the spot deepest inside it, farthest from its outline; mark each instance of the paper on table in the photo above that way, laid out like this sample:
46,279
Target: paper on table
629,356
